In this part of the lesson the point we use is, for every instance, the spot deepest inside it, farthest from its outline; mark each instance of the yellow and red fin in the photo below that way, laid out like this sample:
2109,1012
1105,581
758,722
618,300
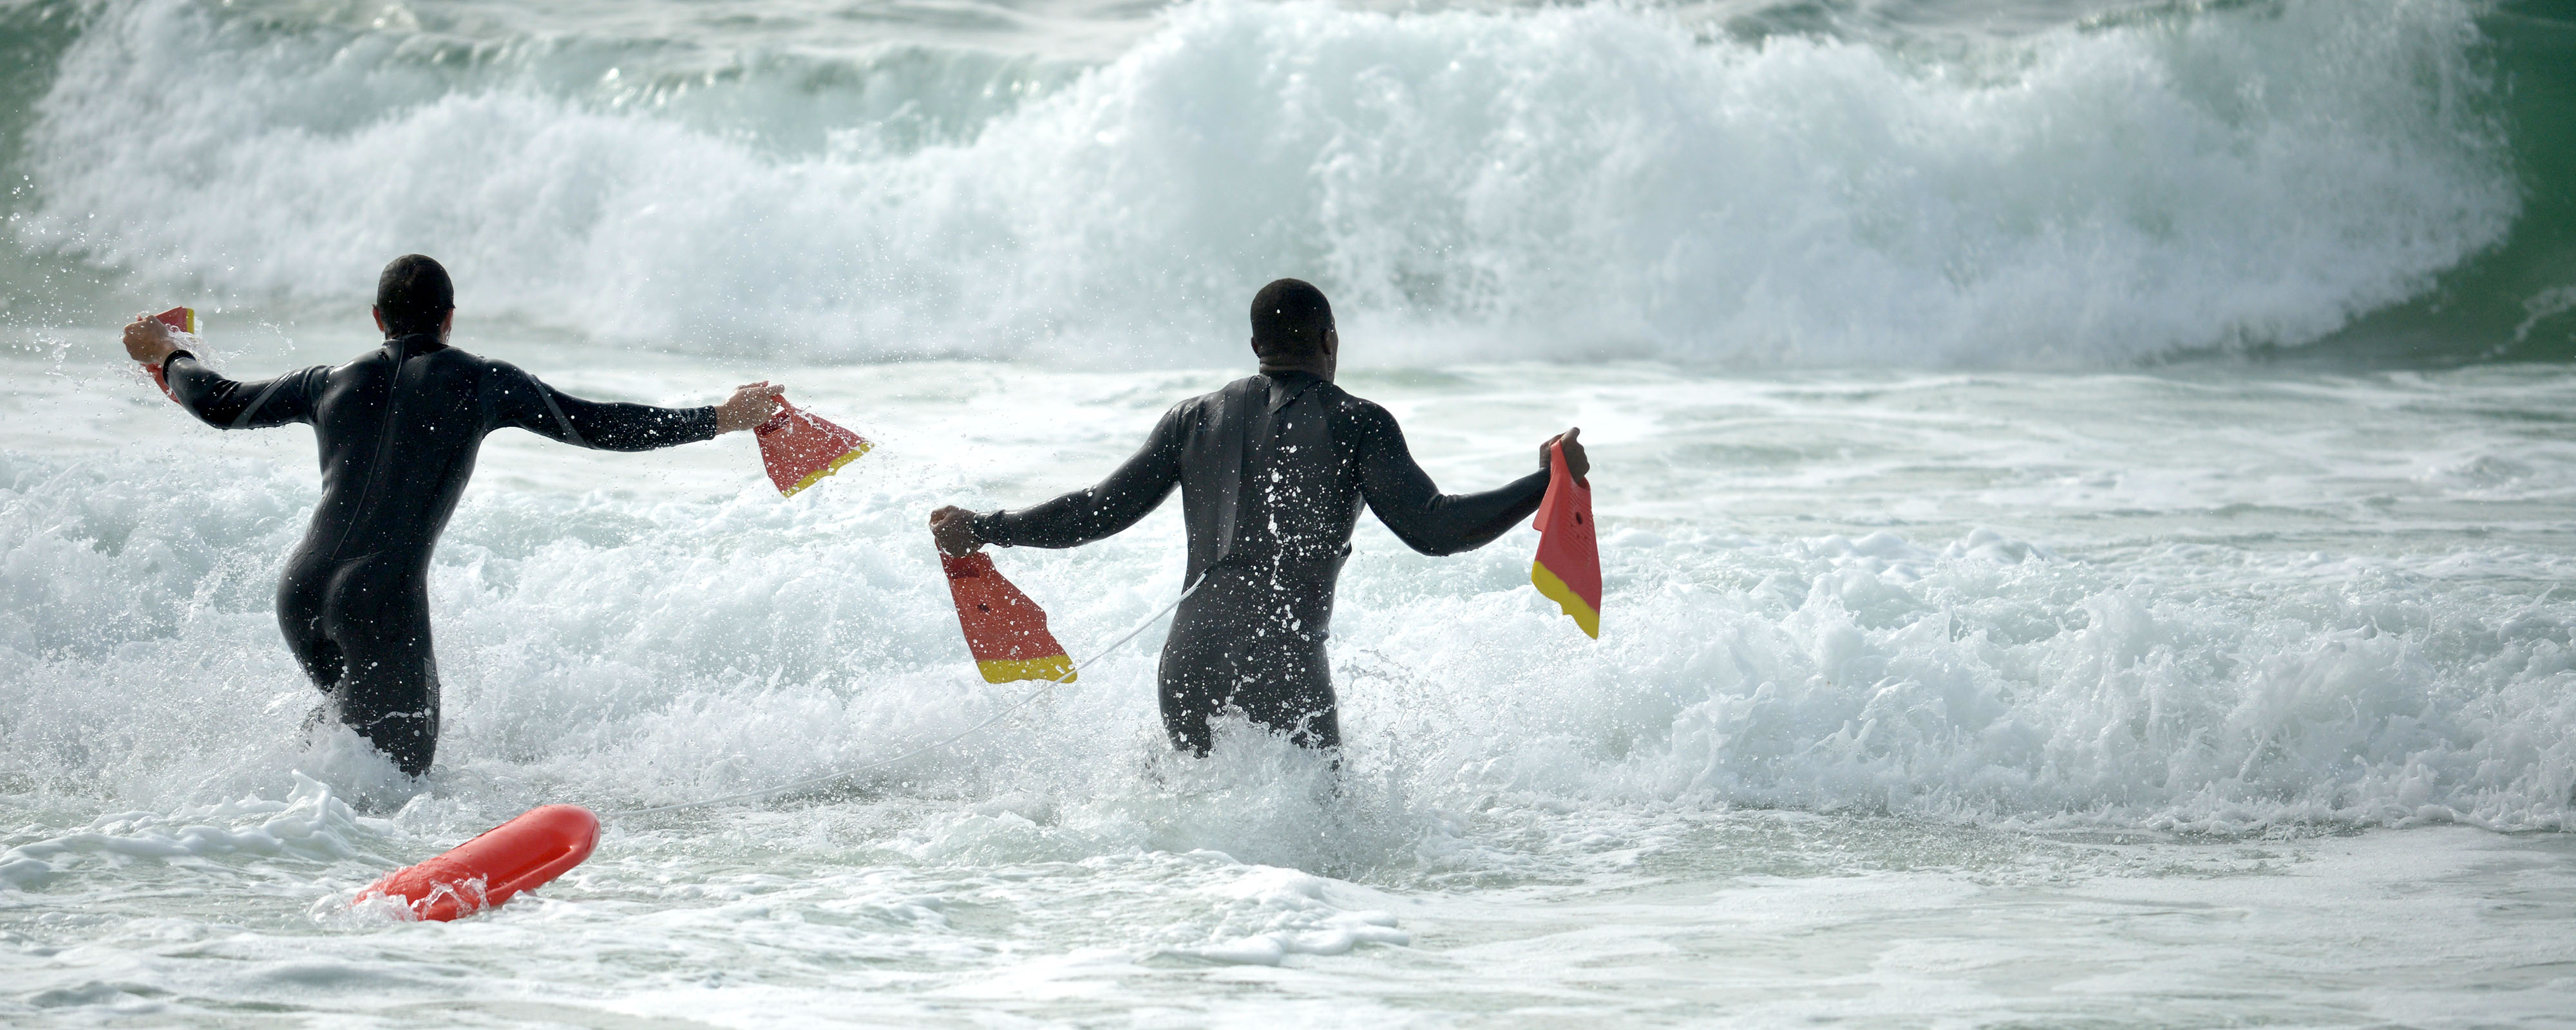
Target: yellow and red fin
799,448
1005,630
1004,670
1567,569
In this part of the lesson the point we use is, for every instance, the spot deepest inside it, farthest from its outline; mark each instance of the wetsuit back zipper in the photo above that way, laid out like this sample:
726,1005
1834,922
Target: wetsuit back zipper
384,445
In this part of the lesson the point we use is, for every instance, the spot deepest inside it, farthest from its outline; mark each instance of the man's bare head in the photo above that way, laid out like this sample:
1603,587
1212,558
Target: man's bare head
1290,322
414,296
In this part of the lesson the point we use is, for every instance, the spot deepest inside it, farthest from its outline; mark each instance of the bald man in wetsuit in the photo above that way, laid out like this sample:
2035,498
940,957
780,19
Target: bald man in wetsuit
399,428
1273,471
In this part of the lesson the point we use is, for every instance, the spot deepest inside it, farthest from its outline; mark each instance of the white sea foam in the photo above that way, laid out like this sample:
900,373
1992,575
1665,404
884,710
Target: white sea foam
1863,633
1554,183
1275,913
632,648
308,824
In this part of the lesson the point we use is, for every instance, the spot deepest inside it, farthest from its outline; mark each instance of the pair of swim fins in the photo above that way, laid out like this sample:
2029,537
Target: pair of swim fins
1005,630
1008,632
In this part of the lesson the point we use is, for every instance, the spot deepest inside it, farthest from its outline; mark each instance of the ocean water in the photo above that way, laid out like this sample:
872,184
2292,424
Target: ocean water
2085,494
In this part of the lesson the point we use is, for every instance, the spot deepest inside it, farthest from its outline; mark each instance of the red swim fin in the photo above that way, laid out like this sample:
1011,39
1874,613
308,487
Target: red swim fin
1006,631
519,855
799,448
1568,566
183,320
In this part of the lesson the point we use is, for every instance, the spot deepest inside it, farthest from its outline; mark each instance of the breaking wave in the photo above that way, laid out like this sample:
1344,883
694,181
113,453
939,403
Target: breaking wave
1562,183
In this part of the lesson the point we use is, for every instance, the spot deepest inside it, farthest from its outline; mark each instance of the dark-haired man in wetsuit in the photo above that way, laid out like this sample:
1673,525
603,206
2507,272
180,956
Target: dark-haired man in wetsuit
1272,470
399,428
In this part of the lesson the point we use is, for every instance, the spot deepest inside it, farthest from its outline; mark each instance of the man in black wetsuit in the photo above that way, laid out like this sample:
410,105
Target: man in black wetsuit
399,428
1272,470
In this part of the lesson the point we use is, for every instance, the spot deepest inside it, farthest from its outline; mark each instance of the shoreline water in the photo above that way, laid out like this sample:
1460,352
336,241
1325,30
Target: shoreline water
2237,553
1910,685
2111,571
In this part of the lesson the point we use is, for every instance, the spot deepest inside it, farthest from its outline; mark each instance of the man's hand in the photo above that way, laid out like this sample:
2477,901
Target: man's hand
150,340
750,405
1575,462
953,529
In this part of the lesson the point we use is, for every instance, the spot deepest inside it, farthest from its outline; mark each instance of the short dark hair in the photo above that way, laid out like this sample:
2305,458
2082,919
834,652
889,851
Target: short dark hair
1289,320
413,295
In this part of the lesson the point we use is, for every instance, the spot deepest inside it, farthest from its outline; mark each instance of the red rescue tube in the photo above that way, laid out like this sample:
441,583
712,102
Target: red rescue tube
518,855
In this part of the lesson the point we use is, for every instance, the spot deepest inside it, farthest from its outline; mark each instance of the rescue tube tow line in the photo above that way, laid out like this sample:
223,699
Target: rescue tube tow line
546,842
1067,676
1006,631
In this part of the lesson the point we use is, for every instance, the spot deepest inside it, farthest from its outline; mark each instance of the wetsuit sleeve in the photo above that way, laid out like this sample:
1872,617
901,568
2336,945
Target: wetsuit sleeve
522,400
1130,493
1404,497
231,404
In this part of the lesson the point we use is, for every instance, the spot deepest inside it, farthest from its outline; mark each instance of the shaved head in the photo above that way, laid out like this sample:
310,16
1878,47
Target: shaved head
413,295
1289,320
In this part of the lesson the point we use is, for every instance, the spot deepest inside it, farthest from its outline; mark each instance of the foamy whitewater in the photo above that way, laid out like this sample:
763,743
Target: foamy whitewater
2084,490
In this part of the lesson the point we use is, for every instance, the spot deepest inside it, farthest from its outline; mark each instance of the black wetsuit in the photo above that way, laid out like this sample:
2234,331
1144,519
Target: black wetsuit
1272,470
398,429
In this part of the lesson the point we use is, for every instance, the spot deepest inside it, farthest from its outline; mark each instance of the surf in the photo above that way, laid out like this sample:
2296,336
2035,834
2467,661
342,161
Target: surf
1602,181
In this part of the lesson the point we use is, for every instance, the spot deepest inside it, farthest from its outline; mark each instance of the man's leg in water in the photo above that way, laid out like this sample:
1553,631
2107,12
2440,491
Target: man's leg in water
1194,684
391,698
1304,709
387,687
299,617
1279,680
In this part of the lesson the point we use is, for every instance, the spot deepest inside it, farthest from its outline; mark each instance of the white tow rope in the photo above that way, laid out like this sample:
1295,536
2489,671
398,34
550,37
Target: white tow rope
1033,695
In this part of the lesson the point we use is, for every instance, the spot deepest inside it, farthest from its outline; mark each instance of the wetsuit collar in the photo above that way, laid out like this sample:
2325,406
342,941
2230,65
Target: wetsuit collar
1287,385
414,344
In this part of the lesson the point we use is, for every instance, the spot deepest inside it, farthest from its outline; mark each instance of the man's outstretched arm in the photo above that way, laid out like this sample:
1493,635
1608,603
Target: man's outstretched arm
217,401
1133,490
522,400
1413,507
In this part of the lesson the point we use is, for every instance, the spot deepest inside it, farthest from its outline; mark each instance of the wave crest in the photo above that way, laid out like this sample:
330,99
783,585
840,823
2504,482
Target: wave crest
1560,184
